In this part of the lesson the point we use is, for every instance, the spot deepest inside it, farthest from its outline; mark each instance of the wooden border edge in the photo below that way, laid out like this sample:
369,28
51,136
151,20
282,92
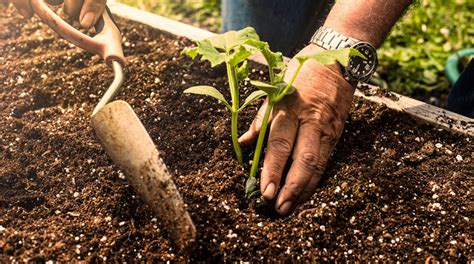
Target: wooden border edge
417,109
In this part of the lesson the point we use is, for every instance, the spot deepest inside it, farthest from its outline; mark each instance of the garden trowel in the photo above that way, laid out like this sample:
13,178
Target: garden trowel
120,131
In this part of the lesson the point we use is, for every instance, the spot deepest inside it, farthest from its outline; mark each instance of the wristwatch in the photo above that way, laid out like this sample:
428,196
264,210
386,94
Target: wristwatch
358,69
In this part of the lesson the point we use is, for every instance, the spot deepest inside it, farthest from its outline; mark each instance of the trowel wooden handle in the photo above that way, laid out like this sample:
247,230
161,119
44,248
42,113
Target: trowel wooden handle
127,142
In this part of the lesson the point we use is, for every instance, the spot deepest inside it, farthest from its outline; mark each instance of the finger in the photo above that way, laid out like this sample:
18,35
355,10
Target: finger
303,167
280,144
23,7
73,8
91,11
324,154
251,135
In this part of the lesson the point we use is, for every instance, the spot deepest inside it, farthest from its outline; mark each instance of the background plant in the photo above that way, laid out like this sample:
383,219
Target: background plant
413,56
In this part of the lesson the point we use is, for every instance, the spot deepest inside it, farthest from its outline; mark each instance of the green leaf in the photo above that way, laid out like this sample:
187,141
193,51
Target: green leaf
267,88
191,52
274,59
209,53
282,86
281,75
252,97
251,188
238,56
242,71
208,90
230,39
332,56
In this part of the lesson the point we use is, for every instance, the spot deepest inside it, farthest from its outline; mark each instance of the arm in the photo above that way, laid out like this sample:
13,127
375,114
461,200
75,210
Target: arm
308,123
369,20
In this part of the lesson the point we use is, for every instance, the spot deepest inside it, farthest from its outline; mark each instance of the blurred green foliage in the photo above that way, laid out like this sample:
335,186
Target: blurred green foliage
411,59
413,56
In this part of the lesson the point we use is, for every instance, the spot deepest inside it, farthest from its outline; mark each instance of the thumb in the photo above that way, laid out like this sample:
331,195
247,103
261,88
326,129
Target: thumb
91,11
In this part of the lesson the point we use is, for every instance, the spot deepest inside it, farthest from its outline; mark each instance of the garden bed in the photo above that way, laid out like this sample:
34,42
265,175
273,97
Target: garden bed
394,189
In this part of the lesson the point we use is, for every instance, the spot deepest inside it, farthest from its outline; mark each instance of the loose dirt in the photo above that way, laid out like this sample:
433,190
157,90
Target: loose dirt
393,189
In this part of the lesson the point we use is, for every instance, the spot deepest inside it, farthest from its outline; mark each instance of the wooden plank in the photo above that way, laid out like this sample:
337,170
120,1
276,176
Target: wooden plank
419,110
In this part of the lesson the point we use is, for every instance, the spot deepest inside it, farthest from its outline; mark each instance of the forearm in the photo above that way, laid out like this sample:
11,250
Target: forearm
367,20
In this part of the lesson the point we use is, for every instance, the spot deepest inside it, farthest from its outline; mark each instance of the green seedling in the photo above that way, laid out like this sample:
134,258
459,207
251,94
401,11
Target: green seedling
233,48
277,89
230,48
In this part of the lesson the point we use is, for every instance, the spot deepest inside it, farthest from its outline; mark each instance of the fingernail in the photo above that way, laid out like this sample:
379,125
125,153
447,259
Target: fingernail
269,192
285,208
87,20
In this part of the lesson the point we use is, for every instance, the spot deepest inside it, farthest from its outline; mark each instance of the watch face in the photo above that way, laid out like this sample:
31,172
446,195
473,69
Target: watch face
362,69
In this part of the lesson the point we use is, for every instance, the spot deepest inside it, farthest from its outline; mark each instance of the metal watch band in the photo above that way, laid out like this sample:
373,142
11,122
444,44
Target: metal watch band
327,38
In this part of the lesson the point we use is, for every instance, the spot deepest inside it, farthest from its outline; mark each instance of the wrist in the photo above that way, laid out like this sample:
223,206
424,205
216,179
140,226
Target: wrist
335,68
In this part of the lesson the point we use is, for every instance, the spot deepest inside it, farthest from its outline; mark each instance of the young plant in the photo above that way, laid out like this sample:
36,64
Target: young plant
277,89
233,48
230,48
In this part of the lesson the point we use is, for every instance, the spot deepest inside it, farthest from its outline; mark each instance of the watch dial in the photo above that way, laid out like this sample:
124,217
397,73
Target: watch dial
359,68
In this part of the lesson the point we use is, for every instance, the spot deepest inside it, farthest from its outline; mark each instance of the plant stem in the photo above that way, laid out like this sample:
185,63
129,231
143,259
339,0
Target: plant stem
261,137
263,130
235,137
285,90
272,75
234,93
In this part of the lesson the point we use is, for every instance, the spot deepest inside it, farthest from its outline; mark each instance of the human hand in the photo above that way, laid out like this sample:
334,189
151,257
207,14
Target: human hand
86,11
306,124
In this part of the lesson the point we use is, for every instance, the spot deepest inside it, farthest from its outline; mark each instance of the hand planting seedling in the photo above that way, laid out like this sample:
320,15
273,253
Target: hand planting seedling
233,48
229,48
277,89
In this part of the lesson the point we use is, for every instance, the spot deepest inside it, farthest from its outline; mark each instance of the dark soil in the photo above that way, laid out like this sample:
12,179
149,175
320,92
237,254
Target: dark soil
395,189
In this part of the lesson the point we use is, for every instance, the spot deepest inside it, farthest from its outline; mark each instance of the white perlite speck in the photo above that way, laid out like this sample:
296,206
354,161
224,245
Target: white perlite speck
459,158
439,145
352,220
2,228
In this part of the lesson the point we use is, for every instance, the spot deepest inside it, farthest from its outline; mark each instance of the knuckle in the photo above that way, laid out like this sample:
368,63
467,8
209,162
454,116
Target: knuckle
280,145
309,159
258,119
256,123
319,169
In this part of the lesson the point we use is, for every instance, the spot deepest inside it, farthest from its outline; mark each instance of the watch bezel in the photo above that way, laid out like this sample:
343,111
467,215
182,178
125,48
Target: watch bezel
362,78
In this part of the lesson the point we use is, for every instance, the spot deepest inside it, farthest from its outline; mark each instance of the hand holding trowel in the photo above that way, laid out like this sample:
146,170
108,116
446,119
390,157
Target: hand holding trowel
121,132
